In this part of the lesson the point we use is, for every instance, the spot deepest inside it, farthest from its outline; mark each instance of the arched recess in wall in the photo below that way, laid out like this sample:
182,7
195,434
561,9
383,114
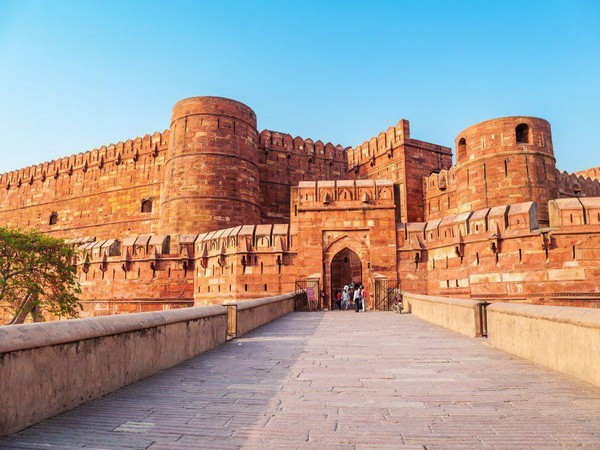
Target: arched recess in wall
462,149
53,218
146,205
523,133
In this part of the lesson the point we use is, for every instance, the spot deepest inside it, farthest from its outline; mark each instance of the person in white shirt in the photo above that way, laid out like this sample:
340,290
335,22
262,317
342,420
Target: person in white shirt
363,298
357,299
345,297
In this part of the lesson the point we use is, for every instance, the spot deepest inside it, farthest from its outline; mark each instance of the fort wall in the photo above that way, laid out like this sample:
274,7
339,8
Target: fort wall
210,170
284,161
502,254
100,192
394,155
212,211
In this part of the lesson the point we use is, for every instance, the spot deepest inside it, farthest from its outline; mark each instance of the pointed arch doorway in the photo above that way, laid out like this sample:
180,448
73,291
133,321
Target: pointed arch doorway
346,258
346,267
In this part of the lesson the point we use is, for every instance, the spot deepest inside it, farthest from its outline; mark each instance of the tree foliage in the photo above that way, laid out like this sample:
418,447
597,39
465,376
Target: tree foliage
37,274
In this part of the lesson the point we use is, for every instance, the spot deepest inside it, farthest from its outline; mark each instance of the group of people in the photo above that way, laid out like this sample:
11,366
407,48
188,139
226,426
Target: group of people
356,293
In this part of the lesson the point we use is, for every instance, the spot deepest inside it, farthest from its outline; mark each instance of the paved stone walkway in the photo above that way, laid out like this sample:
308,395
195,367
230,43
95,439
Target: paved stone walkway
338,380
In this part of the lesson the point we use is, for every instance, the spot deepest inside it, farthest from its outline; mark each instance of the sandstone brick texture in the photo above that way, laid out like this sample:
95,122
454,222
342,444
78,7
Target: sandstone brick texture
211,211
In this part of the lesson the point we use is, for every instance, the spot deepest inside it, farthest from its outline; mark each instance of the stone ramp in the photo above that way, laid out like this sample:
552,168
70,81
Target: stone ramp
338,380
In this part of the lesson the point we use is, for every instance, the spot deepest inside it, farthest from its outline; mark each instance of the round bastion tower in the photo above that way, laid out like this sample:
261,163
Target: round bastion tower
211,172
505,161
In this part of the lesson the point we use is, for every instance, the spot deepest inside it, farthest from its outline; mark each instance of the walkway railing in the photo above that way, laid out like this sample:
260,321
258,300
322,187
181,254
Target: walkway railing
563,338
50,367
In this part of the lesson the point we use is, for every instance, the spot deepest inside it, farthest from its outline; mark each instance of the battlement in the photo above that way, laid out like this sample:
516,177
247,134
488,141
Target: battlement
499,221
579,184
593,173
384,143
246,239
274,140
343,193
574,212
97,158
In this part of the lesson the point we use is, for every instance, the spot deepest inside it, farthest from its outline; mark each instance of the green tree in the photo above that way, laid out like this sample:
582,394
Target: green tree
37,274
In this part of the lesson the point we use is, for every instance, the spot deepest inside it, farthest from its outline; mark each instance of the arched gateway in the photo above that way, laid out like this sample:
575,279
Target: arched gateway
346,259
346,231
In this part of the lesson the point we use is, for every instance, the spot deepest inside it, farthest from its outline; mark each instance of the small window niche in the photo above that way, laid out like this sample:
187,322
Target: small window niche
53,218
146,205
523,133
462,149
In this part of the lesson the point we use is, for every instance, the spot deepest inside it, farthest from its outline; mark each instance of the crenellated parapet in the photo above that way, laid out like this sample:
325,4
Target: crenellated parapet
439,190
382,145
503,253
575,212
593,173
345,193
105,157
285,161
499,221
275,141
579,184
394,155
244,262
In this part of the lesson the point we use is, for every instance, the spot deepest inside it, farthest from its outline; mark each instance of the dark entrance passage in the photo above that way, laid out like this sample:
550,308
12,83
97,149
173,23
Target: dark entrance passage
346,268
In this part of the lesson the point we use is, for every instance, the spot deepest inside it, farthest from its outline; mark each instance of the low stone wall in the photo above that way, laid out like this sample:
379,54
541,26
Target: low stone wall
48,368
456,314
566,339
252,314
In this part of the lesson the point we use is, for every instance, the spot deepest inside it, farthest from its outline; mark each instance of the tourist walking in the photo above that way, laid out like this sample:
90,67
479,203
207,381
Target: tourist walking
357,299
363,298
345,297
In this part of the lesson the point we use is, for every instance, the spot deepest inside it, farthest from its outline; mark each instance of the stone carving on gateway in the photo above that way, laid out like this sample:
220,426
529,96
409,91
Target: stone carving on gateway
212,210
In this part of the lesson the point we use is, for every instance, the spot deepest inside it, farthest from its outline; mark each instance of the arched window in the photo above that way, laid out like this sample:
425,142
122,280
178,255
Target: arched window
523,134
53,218
147,205
462,149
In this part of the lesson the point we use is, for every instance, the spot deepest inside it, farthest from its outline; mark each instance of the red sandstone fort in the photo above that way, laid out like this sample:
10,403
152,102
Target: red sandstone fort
211,210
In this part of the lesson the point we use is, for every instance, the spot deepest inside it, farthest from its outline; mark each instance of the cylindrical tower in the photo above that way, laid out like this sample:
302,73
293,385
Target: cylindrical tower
211,178
505,161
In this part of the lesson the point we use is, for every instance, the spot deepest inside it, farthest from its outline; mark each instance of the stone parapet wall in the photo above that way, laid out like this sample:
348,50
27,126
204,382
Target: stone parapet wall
460,315
502,253
251,314
69,363
245,262
562,338
49,368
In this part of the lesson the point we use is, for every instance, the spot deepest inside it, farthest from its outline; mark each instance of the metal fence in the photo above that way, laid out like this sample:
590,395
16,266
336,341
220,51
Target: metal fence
386,289
311,290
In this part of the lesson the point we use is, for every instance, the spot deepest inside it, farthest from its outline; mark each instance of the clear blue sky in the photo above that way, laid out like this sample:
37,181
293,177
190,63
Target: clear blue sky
77,75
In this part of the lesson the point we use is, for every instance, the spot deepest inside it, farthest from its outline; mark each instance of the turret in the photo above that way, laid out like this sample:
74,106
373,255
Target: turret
506,161
211,173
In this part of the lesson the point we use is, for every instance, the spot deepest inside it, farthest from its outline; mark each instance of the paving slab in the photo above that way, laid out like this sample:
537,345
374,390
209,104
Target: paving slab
337,380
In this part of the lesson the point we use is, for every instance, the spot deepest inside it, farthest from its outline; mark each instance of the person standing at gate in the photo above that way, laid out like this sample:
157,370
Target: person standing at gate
345,297
363,298
357,299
